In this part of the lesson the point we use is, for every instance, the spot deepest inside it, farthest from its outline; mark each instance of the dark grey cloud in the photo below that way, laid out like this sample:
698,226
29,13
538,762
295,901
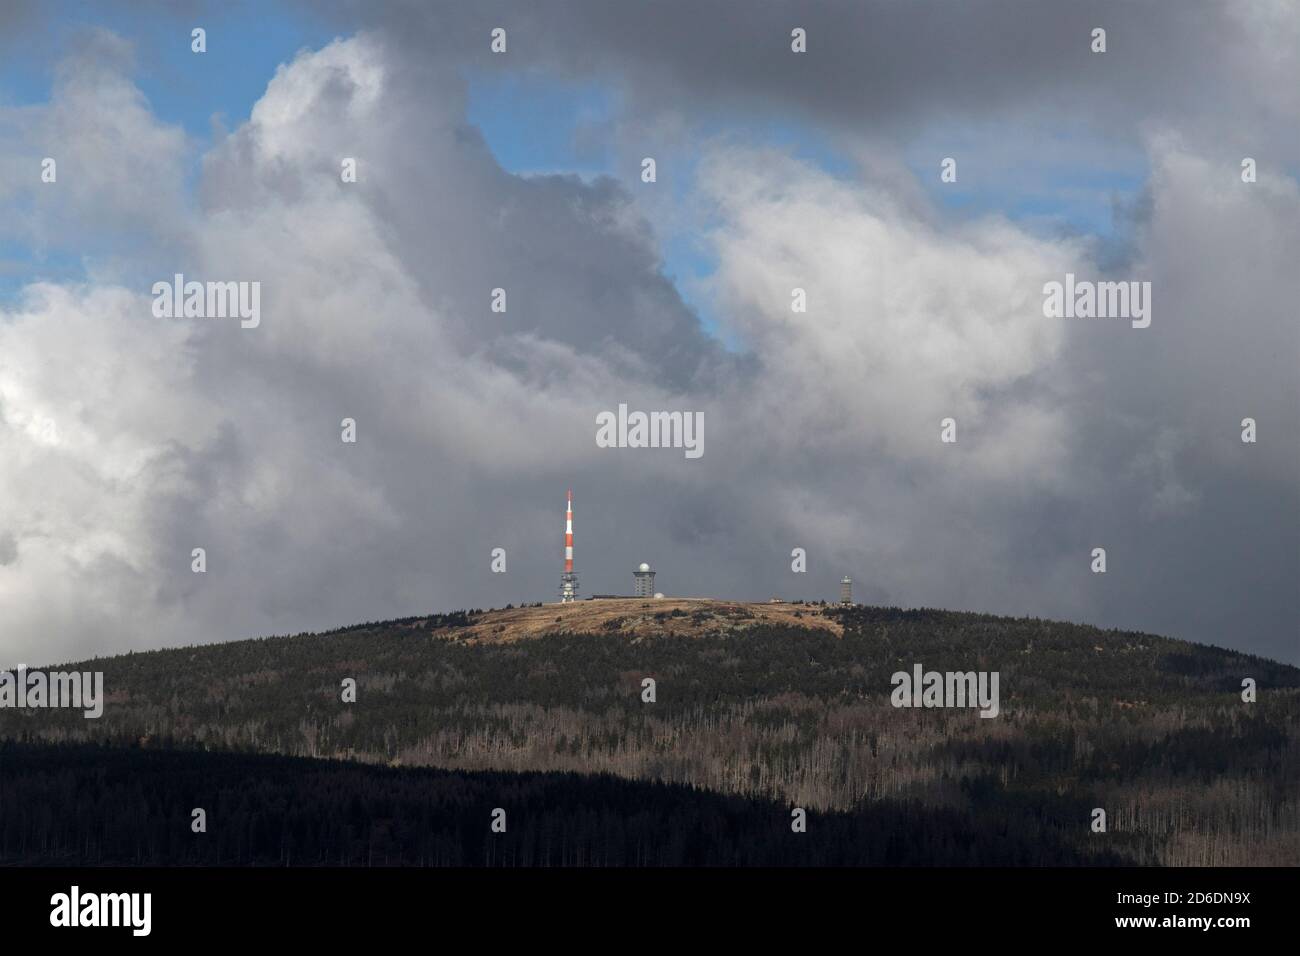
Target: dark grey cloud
879,67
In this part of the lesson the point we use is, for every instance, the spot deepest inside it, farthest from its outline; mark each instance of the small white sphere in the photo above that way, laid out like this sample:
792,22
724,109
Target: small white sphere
644,567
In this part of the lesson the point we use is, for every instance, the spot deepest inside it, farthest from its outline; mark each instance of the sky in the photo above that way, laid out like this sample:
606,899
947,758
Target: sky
128,440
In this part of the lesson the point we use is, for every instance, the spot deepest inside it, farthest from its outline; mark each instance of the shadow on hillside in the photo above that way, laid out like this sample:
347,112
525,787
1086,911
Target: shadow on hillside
91,805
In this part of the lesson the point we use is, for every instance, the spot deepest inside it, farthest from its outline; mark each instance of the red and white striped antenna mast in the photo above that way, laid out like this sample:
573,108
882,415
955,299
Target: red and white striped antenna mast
568,580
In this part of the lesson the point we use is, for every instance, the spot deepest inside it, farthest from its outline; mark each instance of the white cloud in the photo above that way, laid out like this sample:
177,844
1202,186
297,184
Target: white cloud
907,323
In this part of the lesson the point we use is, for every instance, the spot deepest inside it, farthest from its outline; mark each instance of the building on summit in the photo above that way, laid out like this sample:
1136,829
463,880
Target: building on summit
645,581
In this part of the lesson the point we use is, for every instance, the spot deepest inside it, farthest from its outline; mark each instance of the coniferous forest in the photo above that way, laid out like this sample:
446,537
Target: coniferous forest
746,725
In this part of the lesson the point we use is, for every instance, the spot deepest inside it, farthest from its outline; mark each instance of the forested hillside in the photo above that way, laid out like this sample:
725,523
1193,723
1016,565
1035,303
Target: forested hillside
1150,729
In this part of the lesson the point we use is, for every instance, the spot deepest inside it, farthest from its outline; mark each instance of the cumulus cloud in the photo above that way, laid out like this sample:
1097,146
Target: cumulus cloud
906,323
129,440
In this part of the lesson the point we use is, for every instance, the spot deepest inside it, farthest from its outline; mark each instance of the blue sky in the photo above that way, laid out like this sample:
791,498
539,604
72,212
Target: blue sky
182,87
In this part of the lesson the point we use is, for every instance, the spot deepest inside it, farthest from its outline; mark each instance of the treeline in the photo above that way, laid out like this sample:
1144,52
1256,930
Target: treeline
85,806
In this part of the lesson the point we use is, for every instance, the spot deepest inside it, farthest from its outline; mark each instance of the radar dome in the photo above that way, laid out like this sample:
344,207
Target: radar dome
643,567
